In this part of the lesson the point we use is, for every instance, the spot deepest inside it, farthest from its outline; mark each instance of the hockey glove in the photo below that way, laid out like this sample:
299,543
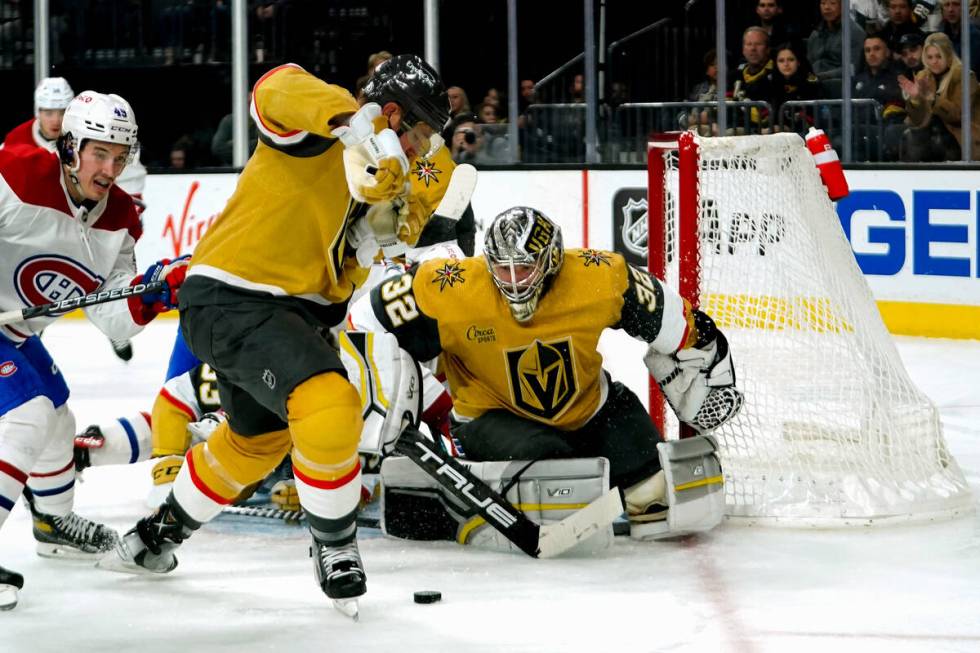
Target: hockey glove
285,496
147,306
374,163
699,381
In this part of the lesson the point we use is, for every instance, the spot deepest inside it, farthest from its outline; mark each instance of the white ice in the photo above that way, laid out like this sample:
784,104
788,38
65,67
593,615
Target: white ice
737,589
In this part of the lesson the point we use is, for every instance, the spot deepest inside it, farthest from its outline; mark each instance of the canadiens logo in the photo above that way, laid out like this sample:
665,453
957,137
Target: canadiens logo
542,378
449,274
594,257
426,171
7,368
49,278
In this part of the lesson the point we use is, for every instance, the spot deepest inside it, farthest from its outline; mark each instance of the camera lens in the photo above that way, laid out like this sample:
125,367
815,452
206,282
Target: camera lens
469,136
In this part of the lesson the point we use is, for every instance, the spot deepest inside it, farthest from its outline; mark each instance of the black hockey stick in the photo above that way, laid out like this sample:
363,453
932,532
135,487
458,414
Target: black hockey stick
288,516
533,539
54,308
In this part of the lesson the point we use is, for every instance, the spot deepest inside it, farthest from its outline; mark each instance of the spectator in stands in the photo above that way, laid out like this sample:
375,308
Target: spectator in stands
222,142
704,91
458,102
180,154
934,105
899,23
824,46
770,18
871,15
373,62
753,80
525,100
878,80
577,89
793,80
487,113
950,26
493,97
468,144
910,53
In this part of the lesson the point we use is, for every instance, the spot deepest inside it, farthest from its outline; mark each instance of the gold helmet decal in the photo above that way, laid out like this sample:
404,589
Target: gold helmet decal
542,378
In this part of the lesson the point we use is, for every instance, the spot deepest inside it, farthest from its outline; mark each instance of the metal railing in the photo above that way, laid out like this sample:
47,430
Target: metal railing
631,124
867,128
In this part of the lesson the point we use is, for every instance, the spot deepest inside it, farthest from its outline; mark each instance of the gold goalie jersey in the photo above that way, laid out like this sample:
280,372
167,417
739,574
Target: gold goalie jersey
547,369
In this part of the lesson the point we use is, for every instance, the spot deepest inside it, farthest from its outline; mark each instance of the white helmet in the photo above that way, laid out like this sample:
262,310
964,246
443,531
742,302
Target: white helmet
98,117
52,93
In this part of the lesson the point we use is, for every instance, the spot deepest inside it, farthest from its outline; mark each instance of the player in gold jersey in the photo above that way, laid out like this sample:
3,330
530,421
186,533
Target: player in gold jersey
518,329
270,275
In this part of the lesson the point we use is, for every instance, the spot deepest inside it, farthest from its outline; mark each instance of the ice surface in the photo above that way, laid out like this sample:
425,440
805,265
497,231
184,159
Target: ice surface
251,588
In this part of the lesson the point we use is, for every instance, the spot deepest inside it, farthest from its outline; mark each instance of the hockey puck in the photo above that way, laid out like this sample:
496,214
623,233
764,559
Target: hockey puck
427,596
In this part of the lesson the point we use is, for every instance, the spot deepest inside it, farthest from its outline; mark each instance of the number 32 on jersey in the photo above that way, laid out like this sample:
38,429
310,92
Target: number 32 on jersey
399,303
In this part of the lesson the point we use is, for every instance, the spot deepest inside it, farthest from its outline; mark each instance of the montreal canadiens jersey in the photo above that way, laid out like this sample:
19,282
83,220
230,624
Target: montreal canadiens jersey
547,369
51,249
28,134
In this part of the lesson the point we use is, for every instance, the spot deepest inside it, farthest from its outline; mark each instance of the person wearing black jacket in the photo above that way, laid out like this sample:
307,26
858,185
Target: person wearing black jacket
793,79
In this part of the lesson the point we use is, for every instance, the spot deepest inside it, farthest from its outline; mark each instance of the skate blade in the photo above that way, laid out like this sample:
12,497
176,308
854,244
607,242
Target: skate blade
348,608
123,563
8,597
65,552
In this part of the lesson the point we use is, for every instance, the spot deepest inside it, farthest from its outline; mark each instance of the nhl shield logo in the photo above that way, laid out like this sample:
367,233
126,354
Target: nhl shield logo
634,229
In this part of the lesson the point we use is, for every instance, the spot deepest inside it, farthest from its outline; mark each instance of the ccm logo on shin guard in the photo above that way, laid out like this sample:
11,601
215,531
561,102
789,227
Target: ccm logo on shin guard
500,515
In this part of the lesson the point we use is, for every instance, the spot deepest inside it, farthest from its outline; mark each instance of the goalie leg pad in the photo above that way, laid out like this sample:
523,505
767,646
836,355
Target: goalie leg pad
389,382
692,486
413,506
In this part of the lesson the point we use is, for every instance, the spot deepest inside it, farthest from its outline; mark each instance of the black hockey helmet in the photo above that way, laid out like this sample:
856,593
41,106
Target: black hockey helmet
415,86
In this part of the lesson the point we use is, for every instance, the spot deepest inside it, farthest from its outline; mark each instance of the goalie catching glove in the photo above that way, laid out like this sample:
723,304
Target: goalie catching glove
698,381
374,162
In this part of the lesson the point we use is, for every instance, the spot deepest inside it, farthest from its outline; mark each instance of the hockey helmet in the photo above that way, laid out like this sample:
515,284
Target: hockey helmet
98,117
52,93
415,85
524,251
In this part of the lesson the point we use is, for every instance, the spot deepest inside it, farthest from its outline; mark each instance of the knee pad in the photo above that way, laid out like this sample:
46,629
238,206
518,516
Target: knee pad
325,422
170,436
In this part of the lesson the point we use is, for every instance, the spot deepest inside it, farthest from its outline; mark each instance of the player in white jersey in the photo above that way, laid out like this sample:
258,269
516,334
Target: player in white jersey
51,98
66,230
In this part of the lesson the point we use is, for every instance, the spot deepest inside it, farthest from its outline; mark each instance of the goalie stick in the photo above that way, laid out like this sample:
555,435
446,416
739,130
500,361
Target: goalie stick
533,539
101,297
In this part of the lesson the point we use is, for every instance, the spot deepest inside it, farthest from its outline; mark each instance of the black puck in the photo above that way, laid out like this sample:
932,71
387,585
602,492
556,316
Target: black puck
428,596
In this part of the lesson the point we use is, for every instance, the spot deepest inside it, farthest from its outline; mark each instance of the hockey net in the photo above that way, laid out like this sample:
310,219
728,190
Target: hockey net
833,431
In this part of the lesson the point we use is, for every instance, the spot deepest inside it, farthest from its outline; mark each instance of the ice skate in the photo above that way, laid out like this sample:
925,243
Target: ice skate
149,546
70,536
340,574
10,584
123,349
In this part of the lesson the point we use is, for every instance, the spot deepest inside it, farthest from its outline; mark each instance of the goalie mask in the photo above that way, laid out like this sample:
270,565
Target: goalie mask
415,86
523,249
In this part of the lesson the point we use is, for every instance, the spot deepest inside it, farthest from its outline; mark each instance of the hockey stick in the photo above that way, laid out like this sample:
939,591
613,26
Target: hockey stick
54,308
288,516
462,183
533,539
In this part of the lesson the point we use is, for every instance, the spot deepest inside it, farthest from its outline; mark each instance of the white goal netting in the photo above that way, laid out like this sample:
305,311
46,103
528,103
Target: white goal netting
833,431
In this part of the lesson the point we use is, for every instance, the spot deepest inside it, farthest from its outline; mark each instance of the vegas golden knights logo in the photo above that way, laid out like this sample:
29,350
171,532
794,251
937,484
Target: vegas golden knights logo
542,378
